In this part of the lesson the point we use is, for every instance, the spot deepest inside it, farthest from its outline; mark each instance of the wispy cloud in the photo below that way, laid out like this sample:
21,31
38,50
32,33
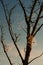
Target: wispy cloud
34,42
9,47
13,52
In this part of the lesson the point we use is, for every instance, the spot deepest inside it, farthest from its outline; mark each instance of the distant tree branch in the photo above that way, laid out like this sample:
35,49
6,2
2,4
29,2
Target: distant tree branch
38,29
35,58
4,47
10,29
11,10
34,28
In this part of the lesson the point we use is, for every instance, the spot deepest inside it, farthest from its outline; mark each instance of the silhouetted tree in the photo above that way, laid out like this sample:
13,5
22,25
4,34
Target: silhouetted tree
29,22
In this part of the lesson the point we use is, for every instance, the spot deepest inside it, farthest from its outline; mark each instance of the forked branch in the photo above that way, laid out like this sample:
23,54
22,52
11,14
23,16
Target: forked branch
34,28
10,29
11,10
32,9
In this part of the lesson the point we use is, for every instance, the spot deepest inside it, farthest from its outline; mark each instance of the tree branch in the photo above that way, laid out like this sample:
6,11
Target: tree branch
37,30
34,28
4,47
10,30
40,17
11,10
4,9
24,12
35,58
32,10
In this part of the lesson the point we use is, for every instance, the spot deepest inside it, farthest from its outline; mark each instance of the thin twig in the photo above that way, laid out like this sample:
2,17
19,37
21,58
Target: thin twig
35,58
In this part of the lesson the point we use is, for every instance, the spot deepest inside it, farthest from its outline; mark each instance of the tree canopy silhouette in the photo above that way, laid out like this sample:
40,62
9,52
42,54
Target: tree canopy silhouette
30,22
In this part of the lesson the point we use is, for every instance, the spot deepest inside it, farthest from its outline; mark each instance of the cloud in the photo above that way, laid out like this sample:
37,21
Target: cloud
34,42
13,52
9,47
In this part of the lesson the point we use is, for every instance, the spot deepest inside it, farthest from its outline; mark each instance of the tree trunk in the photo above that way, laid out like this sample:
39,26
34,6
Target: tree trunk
28,47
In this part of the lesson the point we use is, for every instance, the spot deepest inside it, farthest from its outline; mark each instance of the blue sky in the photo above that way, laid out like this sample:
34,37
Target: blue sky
18,22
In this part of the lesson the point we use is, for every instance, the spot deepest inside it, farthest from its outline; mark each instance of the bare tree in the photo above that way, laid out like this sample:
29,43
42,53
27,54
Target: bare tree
30,34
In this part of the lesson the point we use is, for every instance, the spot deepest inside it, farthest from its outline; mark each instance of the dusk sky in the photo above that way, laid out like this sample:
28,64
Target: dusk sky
18,22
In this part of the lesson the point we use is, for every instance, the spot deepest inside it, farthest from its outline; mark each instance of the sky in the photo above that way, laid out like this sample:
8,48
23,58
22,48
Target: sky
18,22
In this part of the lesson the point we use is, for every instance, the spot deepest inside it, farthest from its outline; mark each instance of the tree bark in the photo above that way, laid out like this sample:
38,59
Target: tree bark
28,47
